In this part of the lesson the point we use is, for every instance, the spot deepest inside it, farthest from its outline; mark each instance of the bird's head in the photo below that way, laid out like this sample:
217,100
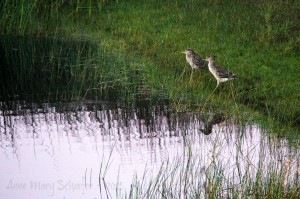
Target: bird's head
187,51
210,58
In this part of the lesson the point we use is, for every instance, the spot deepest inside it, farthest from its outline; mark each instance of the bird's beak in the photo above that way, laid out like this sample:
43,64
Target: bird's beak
183,52
205,59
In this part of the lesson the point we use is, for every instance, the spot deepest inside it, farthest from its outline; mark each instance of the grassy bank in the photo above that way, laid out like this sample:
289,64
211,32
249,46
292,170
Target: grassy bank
66,69
134,47
258,40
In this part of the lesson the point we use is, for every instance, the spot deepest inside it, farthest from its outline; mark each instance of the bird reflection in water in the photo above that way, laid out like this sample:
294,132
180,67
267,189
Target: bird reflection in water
212,120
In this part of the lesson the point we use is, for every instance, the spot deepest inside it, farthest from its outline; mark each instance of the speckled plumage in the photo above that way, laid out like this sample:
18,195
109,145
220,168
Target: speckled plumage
221,74
194,59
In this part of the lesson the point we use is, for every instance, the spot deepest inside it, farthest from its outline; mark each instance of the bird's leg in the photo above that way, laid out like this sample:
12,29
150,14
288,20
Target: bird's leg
209,96
216,86
191,79
181,76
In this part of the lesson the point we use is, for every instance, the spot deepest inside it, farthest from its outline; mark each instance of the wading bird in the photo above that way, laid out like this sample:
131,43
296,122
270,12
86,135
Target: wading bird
194,60
221,74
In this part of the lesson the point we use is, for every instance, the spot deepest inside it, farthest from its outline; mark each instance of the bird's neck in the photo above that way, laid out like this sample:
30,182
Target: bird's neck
211,64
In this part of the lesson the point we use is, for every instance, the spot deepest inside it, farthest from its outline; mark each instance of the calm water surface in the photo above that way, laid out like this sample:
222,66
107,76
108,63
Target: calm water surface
98,149
69,150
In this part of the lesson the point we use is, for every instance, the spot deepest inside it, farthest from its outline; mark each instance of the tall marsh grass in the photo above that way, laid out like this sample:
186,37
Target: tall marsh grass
188,176
133,49
50,68
258,40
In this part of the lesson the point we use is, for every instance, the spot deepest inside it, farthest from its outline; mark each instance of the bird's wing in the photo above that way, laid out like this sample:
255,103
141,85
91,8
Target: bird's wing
223,73
198,60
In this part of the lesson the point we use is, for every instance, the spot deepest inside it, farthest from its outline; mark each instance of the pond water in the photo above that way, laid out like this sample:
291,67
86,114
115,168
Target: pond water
55,145
69,150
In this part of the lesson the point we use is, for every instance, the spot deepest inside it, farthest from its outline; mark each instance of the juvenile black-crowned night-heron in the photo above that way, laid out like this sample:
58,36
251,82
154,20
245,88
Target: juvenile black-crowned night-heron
221,74
194,60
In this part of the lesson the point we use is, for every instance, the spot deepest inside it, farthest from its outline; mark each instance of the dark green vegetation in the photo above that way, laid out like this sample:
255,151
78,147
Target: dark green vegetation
133,47
48,68
258,40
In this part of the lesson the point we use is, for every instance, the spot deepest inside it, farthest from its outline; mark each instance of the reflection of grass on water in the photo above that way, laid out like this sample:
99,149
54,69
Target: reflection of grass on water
184,177
258,40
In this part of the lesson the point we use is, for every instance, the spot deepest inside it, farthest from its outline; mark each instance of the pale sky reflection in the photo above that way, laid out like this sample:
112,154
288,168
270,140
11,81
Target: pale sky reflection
58,152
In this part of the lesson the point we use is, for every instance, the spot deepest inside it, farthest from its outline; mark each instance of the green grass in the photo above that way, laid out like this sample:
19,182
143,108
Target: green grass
186,177
258,40
87,49
235,33
55,69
